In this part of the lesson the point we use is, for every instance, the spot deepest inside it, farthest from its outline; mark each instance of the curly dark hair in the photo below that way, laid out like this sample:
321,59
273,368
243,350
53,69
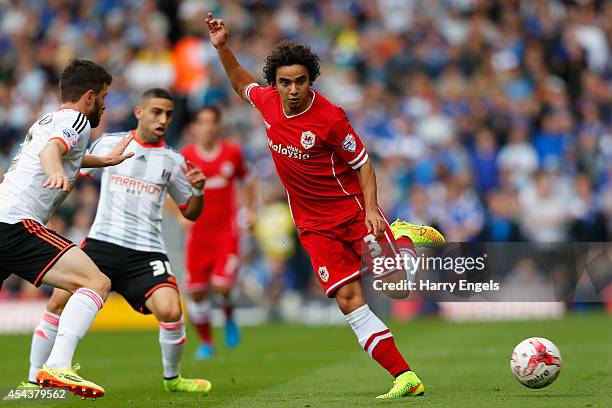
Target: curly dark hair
291,53
79,76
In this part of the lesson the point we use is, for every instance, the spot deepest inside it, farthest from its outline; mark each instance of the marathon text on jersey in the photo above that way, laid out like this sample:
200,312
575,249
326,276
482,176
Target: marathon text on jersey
138,188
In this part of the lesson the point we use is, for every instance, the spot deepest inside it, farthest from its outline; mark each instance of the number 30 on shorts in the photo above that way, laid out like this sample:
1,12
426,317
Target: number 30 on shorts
161,267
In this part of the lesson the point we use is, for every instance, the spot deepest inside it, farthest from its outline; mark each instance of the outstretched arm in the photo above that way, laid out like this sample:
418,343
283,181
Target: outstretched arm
115,157
219,34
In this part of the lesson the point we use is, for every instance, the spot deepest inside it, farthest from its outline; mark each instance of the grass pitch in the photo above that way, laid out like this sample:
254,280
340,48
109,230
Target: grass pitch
462,365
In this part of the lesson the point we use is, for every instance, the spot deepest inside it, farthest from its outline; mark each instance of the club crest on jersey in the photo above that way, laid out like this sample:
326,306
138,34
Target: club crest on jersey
349,144
227,168
166,175
71,136
308,139
323,274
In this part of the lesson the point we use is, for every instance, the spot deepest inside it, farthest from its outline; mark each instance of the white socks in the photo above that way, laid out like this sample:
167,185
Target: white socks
56,337
172,340
42,343
199,312
368,328
78,315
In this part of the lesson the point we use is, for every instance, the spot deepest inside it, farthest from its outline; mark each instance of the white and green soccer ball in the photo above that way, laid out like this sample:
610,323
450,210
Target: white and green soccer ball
536,362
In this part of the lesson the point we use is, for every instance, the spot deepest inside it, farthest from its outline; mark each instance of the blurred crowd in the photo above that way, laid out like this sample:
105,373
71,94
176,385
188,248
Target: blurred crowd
490,119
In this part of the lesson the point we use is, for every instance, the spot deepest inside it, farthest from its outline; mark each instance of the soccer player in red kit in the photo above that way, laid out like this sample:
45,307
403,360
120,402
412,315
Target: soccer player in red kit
330,185
212,257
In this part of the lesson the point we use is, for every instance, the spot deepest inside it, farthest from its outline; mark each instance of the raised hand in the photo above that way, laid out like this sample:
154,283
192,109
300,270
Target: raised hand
195,177
116,155
219,33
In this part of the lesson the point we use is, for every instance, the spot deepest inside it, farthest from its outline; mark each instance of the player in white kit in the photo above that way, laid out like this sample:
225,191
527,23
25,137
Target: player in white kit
125,240
39,178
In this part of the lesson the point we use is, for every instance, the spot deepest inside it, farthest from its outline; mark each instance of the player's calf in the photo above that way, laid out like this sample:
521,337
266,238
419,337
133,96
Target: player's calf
172,338
42,343
373,335
393,284
57,301
231,331
74,271
68,316
377,340
45,332
199,308
164,303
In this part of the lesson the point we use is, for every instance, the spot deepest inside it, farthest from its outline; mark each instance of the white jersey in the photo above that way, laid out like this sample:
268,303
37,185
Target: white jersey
22,195
132,194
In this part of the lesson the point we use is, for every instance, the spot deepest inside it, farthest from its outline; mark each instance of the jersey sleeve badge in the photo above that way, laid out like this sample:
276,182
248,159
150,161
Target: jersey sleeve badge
71,136
349,144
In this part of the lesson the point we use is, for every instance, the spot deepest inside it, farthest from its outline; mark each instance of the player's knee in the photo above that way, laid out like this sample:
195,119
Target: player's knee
349,302
198,296
100,284
222,290
170,312
394,285
397,294
94,280
349,297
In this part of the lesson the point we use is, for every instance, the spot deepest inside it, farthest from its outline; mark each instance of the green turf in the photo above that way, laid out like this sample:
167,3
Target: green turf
462,365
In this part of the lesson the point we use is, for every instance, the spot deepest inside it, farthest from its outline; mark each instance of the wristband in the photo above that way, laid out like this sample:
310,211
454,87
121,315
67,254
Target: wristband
197,192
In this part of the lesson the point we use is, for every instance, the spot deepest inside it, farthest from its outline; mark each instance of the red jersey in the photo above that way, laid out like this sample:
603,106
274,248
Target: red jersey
218,219
315,153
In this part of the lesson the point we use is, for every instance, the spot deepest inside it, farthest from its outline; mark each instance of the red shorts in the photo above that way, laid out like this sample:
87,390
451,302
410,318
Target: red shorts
342,253
208,263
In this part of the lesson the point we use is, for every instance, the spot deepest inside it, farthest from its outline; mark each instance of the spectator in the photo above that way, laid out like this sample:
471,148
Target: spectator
544,212
589,223
518,158
484,157
499,224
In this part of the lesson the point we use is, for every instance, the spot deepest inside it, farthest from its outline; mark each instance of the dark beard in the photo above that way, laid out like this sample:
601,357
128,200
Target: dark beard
95,115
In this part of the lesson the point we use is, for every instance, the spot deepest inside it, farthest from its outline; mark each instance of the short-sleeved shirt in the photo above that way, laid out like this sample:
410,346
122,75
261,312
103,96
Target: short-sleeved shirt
222,170
132,194
315,153
22,195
